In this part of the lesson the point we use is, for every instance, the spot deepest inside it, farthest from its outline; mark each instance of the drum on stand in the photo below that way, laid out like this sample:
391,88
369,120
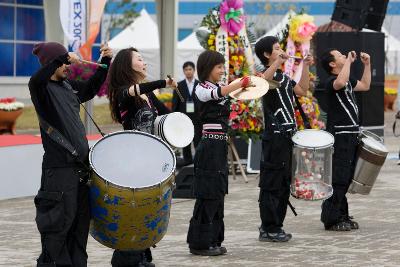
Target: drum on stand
312,165
174,128
131,189
370,158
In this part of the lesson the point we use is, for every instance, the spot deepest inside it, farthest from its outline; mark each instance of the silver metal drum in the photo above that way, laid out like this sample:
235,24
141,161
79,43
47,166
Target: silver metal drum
371,156
312,165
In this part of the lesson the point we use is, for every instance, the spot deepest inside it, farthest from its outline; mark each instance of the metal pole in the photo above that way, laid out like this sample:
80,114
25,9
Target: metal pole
168,33
89,104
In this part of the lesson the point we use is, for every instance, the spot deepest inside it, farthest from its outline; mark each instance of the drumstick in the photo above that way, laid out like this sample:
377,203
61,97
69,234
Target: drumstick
177,90
295,57
104,66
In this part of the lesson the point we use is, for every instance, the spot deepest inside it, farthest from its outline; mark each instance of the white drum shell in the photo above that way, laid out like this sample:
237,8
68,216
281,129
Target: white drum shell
174,128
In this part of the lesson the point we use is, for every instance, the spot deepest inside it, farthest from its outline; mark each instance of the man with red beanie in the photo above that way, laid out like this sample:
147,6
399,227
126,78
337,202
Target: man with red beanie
62,202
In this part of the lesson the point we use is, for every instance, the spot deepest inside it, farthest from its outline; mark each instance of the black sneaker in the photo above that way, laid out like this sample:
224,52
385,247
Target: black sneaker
353,224
274,237
211,251
223,250
340,227
146,264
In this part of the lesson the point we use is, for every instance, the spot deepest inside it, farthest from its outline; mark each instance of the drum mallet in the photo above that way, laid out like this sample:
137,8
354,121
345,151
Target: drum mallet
177,90
104,66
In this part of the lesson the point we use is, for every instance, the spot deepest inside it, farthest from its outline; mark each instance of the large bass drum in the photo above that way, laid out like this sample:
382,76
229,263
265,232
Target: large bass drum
131,189
370,158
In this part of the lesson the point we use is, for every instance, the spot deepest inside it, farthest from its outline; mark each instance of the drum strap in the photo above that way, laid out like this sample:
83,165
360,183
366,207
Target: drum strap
292,208
57,137
397,117
302,114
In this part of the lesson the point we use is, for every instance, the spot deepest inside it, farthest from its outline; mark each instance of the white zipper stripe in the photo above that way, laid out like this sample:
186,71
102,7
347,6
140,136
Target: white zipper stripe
345,108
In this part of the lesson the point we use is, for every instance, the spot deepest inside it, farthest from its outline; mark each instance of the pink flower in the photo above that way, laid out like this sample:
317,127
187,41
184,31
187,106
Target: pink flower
233,115
231,16
306,29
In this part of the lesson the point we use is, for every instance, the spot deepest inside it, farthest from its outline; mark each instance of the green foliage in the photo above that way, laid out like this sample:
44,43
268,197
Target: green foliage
121,20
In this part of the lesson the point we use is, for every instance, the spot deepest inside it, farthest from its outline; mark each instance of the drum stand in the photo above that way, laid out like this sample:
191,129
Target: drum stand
234,159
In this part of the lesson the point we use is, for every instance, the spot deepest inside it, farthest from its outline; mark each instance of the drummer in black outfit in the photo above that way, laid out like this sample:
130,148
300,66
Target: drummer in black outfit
343,123
187,90
62,203
206,229
280,124
134,105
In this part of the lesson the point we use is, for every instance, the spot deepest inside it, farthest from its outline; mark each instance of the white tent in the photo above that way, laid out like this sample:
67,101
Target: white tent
142,34
392,51
189,49
278,28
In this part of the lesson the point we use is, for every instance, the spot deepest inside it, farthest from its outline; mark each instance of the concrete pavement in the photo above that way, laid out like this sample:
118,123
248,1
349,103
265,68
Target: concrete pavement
376,243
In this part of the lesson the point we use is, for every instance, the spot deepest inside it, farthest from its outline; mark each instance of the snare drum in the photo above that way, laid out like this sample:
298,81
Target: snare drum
370,158
174,128
312,165
131,189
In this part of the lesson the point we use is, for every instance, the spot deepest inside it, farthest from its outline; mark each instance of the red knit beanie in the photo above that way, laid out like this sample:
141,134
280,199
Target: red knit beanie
46,52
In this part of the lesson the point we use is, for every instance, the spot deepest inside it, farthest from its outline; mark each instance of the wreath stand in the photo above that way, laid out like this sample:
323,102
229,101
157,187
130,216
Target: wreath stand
233,158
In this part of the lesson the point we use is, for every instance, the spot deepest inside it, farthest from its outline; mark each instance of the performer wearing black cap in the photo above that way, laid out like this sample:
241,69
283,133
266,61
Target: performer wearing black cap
62,203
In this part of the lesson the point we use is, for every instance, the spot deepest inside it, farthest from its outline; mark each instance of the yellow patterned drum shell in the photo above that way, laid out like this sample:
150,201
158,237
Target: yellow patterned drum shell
130,218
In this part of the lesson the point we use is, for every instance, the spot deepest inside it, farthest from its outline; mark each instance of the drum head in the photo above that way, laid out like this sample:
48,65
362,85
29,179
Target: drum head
132,159
313,138
178,129
374,144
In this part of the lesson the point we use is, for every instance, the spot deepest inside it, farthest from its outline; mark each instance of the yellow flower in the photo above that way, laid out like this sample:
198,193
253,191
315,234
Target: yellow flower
210,41
229,39
294,25
212,48
241,58
211,37
235,58
390,91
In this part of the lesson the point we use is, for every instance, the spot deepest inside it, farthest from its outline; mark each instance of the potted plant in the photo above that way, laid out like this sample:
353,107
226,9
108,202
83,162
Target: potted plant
391,84
10,110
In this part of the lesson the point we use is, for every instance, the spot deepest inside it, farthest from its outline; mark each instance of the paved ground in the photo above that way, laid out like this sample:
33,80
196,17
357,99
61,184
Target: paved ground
377,243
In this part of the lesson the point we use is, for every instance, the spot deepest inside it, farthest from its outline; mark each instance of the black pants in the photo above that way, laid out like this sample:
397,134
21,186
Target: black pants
130,258
335,209
275,176
206,227
62,225
187,150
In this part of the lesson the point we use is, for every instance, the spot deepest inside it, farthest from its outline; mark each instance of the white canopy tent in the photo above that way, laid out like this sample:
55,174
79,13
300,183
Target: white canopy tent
142,34
189,49
392,52
278,28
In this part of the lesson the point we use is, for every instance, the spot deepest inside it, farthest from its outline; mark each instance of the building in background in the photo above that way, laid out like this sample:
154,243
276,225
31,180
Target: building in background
22,24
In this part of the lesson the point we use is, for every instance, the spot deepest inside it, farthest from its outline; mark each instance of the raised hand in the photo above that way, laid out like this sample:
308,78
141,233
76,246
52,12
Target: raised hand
365,58
352,56
308,60
73,58
106,51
